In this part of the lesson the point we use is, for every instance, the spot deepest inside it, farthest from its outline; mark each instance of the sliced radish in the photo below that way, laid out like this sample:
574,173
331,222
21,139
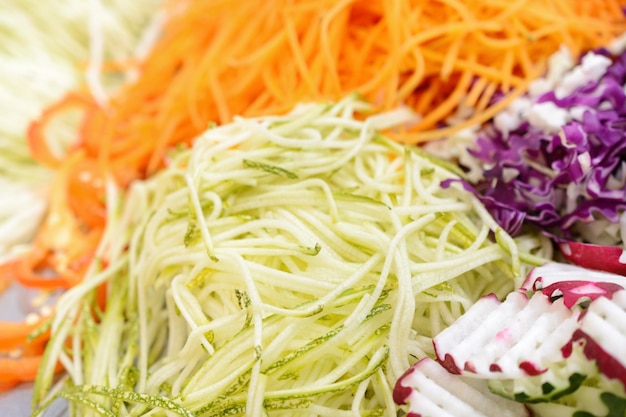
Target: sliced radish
562,377
536,349
462,328
558,339
516,338
511,339
598,257
430,390
603,329
466,338
573,283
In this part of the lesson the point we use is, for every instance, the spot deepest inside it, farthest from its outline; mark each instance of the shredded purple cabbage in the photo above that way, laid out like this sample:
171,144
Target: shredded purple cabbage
553,180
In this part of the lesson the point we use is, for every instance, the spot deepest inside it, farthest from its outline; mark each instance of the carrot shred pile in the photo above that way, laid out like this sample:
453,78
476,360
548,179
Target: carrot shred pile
217,59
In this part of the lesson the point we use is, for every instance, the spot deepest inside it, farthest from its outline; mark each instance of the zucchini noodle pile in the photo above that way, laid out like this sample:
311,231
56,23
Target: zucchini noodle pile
288,265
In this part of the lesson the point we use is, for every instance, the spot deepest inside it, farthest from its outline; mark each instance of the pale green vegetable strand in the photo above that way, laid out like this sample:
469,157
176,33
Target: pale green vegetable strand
289,265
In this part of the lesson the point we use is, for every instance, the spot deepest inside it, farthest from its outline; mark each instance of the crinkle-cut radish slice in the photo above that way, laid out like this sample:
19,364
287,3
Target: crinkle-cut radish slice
487,359
463,327
537,347
602,327
572,283
537,361
598,257
472,331
430,390
516,338
563,376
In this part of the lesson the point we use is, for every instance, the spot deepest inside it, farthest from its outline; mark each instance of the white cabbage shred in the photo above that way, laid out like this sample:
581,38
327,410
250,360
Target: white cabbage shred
47,50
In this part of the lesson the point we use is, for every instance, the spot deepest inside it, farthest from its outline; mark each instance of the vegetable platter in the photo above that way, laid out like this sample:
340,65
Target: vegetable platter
313,208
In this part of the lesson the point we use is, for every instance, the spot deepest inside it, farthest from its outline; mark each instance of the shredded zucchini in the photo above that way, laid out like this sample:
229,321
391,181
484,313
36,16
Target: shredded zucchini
289,265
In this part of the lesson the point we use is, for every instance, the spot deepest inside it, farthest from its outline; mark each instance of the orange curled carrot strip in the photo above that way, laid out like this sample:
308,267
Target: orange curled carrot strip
36,135
23,369
5,386
24,269
26,273
15,335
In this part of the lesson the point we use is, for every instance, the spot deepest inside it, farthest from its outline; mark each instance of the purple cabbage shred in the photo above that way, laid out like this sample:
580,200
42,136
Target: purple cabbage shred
554,180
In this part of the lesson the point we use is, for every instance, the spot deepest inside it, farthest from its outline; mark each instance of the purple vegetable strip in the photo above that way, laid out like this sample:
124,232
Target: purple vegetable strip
555,177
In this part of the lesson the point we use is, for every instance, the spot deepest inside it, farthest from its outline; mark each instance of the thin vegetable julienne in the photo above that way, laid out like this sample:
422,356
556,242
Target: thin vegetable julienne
291,264
62,243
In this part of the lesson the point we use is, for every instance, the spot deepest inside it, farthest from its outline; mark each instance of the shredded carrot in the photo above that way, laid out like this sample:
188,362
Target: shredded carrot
23,369
20,355
216,60
15,335
5,386
286,52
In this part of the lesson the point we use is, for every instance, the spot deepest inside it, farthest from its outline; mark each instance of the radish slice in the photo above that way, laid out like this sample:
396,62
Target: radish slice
573,283
597,257
603,329
467,325
430,390
542,344
512,339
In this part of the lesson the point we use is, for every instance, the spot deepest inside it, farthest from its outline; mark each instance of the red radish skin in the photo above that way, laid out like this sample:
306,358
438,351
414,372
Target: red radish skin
607,364
494,367
598,257
400,391
449,364
528,367
573,291
558,273
531,369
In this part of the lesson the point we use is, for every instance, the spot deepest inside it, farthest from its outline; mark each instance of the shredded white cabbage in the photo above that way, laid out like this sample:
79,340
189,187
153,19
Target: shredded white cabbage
20,207
292,265
47,50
